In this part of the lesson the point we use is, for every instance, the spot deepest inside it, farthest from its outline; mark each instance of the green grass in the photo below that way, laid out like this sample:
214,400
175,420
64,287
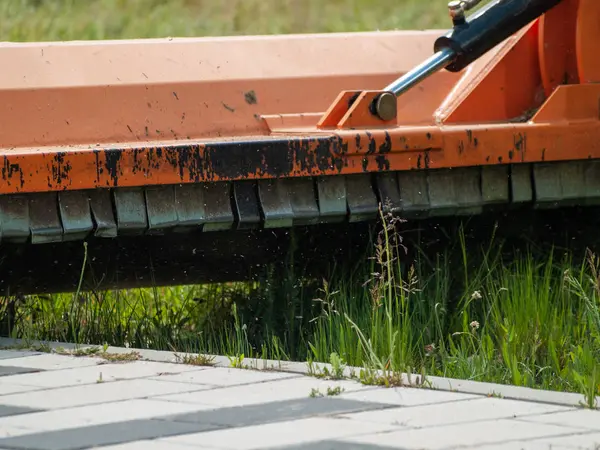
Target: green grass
45,20
532,321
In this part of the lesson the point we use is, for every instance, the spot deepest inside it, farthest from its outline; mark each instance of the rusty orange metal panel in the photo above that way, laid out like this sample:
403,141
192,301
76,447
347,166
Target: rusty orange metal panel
558,58
155,90
507,84
586,41
138,113
341,152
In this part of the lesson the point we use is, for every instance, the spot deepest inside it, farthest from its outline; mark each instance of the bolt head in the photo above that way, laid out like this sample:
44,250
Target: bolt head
457,11
386,106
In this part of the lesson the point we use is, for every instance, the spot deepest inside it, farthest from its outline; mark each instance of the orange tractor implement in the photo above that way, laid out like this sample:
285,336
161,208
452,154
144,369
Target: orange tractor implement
153,138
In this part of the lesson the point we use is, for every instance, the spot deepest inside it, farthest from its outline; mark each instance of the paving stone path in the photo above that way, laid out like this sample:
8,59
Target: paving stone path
50,401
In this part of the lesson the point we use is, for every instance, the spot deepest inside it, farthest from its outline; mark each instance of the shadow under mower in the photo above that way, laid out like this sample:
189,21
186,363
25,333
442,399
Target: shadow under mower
208,151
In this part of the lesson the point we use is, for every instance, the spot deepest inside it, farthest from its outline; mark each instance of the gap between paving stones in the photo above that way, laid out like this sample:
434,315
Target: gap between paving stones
407,379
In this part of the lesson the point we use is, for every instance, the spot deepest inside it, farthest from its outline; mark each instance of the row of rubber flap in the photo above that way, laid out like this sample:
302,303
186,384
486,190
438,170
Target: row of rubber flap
281,203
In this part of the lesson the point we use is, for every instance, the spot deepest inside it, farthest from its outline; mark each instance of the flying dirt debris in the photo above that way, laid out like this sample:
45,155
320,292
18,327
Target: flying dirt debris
183,149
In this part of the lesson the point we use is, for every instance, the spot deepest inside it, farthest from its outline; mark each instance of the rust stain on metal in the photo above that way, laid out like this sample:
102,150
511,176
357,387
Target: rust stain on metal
386,146
189,163
11,170
520,141
111,164
372,144
358,143
470,136
60,169
227,107
383,163
250,97
225,160
339,152
403,142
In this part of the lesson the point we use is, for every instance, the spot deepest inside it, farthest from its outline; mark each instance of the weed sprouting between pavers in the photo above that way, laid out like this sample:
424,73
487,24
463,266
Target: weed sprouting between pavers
331,392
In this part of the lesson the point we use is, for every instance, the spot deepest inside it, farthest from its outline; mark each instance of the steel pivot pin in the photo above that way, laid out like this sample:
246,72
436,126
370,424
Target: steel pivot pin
386,106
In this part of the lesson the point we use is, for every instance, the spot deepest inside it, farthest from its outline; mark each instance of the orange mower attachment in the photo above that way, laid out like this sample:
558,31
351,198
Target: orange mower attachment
145,137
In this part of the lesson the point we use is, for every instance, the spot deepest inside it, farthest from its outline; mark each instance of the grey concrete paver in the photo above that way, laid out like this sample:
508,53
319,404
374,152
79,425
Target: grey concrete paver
99,414
466,434
8,410
12,354
270,412
46,361
280,434
104,371
332,444
96,393
7,432
154,445
14,370
269,391
579,441
102,435
149,405
9,388
580,418
456,412
220,376
520,445
406,396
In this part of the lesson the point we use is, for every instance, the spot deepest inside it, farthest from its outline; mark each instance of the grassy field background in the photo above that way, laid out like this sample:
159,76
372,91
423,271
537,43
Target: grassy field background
531,321
44,20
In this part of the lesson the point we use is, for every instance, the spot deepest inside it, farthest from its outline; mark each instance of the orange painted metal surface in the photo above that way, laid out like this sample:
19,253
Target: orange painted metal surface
503,86
342,152
155,90
557,37
587,38
206,114
357,116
